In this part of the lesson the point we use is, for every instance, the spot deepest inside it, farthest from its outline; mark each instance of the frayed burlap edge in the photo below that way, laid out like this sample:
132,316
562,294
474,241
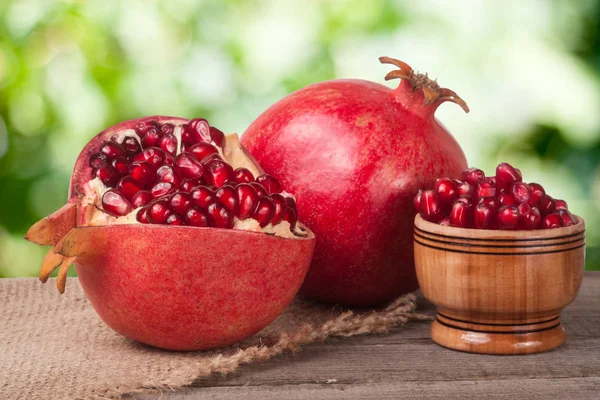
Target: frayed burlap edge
347,324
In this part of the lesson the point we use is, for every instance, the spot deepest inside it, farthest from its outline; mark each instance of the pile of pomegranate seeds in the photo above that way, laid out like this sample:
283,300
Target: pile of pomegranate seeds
187,185
503,201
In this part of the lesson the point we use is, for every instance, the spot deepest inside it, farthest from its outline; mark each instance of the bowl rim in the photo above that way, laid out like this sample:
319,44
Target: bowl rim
421,224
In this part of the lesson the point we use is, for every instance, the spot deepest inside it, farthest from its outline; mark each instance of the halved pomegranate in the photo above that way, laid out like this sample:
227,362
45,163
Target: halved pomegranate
143,226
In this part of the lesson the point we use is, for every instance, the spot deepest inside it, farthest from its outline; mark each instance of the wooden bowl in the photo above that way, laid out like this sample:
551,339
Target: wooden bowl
499,292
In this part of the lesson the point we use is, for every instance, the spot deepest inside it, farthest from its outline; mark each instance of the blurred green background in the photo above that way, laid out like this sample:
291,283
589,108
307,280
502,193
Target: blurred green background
530,72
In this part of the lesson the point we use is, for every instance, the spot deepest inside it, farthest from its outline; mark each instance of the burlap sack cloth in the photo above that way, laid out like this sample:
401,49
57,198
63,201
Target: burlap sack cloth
56,347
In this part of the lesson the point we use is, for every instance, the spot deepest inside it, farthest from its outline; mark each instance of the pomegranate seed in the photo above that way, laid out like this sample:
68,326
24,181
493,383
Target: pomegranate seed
491,180
151,138
162,189
188,166
180,203
188,137
112,149
141,198
168,143
466,200
242,175
98,160
484,217
166,173
154,156
466,190
567,218
445,222
508,217
220,216
490,202
280,207
176,220
535,219
485,189
169,159
129,187
506,175
158,211
131,145
506,199
203,197
142,172
202,129
167,129
217,136
561,205
107,175
209,159
417,200
461,215
202,150
548,205
218,173
264,211
521,192
537,194
227,196
430,208
196,217
291,217
197,130
529,217
121,165
523,208
260,189
473,176
115,204
189,184
552,221
269,183
142,216
143,127
247,199
446,190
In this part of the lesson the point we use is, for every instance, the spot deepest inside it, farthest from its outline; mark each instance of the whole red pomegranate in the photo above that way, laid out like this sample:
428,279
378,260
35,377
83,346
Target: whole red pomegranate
179,239
354,153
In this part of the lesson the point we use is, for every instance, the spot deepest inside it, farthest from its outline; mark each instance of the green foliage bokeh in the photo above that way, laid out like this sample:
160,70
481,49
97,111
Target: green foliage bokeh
68,69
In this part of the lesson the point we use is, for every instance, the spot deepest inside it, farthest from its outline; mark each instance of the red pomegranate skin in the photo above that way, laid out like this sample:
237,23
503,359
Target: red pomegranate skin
200,288
354,153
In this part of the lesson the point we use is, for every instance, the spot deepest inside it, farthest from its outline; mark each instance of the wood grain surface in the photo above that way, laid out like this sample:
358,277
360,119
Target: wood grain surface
406,364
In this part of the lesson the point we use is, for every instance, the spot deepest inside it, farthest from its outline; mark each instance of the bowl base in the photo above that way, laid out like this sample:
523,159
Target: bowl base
518,337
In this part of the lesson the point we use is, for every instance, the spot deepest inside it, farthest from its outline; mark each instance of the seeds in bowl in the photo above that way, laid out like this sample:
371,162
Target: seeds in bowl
502,202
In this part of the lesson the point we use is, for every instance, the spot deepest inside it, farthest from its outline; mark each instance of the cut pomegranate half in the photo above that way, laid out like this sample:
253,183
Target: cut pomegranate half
170,171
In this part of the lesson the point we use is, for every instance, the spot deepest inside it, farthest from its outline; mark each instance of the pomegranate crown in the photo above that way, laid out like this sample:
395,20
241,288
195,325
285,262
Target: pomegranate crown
431,90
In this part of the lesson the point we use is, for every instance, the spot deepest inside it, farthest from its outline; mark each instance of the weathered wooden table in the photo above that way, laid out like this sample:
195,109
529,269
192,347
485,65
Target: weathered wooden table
407,365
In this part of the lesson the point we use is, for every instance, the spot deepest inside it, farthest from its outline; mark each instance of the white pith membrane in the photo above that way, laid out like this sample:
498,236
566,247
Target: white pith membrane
231,152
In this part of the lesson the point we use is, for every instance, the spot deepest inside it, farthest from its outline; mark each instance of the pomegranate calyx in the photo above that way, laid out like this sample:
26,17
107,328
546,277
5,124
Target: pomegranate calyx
432,92
51,229
51,261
